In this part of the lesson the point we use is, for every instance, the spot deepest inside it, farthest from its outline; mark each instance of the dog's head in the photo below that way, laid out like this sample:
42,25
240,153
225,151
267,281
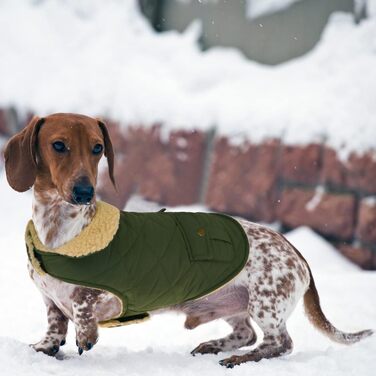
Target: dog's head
61,152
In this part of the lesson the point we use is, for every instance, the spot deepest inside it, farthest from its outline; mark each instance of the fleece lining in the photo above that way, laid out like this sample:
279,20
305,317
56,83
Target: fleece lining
93,238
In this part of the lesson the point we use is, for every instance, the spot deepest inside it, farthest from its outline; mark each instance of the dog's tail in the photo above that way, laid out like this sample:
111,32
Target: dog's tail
317,318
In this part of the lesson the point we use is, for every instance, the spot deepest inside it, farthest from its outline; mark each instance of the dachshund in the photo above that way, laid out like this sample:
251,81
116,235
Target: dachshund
58,156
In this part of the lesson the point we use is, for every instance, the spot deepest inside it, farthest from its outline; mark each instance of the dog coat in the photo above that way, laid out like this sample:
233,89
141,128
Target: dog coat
148,260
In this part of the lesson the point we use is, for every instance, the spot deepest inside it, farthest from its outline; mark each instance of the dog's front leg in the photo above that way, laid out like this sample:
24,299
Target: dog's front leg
84,317
56,331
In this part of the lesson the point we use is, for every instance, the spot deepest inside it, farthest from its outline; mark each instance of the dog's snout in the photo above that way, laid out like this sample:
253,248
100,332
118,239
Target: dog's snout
83,193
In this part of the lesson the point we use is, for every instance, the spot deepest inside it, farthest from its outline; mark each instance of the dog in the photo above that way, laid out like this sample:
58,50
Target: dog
58,156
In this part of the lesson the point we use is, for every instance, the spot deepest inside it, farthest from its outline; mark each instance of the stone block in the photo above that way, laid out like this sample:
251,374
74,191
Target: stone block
359,255
366,225
243,179
332,215
301,164
358,173
168,172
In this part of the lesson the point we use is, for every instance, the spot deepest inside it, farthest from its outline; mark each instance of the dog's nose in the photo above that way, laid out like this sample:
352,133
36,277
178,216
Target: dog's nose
83,193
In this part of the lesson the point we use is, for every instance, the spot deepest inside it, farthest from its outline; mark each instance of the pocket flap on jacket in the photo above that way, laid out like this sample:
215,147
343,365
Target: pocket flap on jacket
206,236
195,229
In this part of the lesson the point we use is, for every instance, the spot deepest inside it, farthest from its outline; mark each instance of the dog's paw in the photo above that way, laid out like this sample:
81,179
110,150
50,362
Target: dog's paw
206,348
192,322
47,347
85,341
231,362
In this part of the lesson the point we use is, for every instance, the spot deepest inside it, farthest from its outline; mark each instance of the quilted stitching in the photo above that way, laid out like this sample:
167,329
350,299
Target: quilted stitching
148,265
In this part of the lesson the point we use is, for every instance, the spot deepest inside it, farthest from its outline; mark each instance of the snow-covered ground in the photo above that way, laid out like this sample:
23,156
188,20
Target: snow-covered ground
102,58
161,346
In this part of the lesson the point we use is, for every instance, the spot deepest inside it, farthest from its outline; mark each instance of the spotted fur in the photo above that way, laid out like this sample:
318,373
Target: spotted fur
267,290
56,331
56,220
84,306
275,277
242,334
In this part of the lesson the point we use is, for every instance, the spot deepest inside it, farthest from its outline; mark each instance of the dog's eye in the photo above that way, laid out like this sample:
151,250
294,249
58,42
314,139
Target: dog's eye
97,149
59,147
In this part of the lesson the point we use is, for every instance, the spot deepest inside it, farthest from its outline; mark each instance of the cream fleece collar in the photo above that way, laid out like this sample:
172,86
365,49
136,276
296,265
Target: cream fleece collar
93,238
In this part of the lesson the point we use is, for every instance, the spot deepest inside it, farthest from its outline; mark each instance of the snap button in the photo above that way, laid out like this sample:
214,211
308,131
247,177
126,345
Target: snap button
201,232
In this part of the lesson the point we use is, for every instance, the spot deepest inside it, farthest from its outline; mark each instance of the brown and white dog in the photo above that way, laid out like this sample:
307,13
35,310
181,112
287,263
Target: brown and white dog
59,156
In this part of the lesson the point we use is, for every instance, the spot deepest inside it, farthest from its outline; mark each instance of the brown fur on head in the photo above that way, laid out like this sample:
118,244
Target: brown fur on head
31,156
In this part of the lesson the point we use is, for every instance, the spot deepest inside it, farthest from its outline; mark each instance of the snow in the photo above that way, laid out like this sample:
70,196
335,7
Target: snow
139,204
370,201
371,7
316,199
161,346
104,59
259,8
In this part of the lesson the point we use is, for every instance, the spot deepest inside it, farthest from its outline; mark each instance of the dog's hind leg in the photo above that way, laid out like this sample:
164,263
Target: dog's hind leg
270,306
276,342
243,334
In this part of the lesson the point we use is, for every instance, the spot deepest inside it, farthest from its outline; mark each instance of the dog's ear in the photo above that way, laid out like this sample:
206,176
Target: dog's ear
20,156
108,151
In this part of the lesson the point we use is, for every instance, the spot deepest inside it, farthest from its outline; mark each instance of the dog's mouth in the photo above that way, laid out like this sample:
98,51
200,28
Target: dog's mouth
81,200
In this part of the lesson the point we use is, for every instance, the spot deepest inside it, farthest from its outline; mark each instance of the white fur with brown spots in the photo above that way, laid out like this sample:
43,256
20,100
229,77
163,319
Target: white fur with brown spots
267,291
61,152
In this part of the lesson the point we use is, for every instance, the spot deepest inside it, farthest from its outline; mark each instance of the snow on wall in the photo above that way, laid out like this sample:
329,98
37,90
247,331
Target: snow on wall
102,58
259,8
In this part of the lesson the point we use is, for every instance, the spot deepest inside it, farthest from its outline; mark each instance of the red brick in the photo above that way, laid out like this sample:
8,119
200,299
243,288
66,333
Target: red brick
361,172
359,255
3,124
10,123
187,150
301,164
357,173
331,214
166,172
243,179
334,171
366,227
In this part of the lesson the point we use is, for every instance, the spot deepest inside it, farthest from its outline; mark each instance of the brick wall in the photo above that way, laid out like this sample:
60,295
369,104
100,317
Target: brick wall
300,185
295,185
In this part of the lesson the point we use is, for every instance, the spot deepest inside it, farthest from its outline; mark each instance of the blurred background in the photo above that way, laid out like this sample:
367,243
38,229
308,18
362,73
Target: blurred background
263,109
